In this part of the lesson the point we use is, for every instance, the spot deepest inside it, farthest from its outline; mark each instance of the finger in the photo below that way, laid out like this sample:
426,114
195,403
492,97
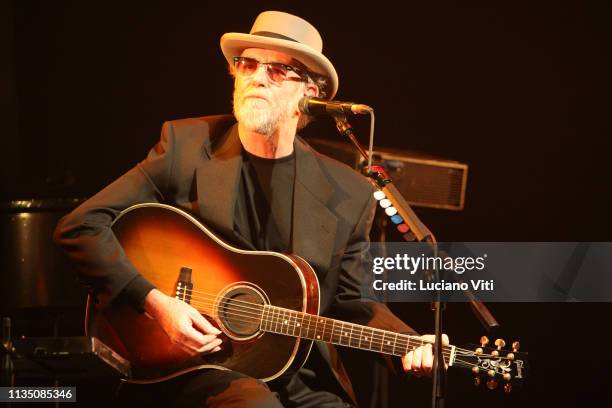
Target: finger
195,339
210,337
445,342
215,344
427,363
417,360
202,324
407,361
429,338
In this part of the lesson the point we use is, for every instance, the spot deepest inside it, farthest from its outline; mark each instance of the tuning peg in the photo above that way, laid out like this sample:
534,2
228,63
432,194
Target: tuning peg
491,384
500,343
484,340
475,369
507,388
515,346
507,377
510,356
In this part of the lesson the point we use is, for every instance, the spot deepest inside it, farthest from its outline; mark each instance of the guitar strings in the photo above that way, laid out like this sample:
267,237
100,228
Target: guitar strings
275,318
446,351
375,331
376,344
407,339
376,338
403,342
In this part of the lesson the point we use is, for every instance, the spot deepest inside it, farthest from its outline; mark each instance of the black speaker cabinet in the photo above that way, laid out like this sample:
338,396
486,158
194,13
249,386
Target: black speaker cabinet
425,181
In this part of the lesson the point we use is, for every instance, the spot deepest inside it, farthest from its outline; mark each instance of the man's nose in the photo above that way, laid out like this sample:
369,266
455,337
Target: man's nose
261,74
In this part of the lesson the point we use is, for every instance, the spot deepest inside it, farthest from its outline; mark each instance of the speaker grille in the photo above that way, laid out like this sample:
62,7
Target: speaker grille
423,180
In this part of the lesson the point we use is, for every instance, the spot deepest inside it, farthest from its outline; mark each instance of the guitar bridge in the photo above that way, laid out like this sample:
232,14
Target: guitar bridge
184,287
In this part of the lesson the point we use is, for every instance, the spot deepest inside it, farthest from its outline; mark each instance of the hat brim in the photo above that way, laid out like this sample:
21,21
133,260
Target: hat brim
232,45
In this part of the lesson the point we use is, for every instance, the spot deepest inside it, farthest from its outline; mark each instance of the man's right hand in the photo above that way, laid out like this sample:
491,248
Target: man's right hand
182,323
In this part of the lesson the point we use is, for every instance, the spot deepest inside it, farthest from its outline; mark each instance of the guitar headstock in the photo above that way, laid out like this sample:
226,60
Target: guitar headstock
495,364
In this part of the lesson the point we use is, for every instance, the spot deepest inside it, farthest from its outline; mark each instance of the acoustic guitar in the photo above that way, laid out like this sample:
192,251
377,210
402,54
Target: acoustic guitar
265,303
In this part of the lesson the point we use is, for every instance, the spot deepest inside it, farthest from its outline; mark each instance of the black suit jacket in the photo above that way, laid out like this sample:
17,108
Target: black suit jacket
196,166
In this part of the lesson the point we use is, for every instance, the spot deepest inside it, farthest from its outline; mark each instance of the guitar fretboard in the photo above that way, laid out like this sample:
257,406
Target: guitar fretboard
308,326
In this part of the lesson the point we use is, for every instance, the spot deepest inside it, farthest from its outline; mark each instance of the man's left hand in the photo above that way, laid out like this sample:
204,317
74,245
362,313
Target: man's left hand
420,361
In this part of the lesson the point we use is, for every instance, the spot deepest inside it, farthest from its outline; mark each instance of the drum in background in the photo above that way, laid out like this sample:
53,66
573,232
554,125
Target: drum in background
38,285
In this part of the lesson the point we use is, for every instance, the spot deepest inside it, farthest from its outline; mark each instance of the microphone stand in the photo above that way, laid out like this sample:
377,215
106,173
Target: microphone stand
378,177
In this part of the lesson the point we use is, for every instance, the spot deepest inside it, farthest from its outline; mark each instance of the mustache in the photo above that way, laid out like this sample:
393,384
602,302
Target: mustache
249,92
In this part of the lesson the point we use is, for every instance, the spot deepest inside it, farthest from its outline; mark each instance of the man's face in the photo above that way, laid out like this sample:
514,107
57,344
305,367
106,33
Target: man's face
260,104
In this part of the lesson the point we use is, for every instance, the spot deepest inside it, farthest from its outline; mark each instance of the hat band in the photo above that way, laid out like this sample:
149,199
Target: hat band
273,35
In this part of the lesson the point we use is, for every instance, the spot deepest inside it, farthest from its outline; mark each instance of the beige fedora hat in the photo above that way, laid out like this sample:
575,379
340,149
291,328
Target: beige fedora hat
286,33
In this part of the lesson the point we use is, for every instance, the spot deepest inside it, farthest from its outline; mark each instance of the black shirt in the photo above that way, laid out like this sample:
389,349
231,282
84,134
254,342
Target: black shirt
265,202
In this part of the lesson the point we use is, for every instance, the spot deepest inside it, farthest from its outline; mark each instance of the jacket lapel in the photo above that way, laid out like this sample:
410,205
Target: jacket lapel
217,181
314,225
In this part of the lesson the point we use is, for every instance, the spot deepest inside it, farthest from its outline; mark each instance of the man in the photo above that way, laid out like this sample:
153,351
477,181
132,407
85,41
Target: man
259,187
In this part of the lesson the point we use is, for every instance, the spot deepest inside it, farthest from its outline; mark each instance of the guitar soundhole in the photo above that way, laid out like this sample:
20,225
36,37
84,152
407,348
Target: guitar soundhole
239,310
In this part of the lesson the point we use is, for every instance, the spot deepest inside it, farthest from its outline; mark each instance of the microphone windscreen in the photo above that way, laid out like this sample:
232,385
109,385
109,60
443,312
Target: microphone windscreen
303,105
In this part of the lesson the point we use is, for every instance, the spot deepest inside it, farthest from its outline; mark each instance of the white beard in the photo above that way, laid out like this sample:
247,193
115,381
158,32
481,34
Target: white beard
263,116
257,116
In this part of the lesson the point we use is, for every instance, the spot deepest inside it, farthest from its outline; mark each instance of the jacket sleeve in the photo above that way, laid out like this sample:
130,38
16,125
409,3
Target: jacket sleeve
86,236
355,300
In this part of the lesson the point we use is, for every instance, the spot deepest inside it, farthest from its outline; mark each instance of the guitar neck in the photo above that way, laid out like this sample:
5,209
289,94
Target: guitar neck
313,327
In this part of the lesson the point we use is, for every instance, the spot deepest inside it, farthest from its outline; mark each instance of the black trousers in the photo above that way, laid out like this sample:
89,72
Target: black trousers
221,388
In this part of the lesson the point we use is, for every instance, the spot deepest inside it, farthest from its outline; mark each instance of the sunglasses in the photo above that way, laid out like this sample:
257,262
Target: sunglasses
276,71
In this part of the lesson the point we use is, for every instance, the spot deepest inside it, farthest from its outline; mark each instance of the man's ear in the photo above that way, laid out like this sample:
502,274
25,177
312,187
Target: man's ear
311,90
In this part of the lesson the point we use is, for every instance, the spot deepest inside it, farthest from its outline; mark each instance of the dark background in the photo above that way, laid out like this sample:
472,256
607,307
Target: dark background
519,91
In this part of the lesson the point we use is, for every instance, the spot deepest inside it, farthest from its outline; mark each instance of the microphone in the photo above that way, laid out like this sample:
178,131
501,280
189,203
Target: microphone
318,106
